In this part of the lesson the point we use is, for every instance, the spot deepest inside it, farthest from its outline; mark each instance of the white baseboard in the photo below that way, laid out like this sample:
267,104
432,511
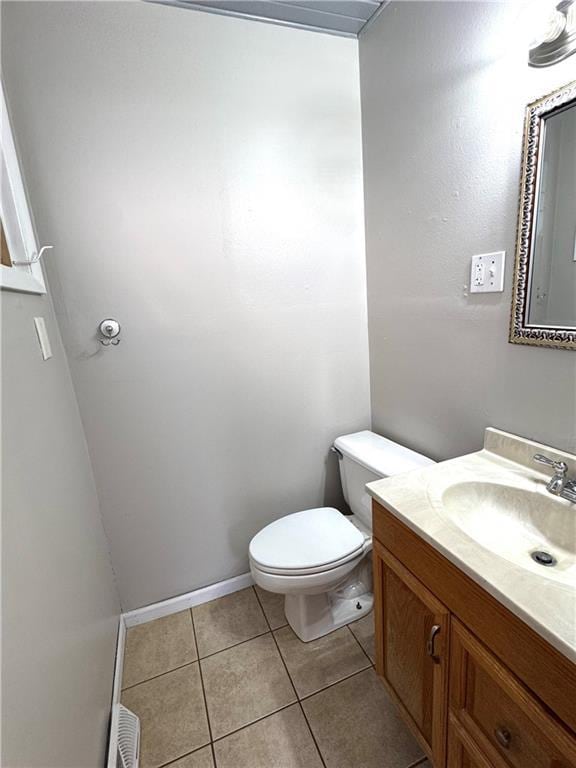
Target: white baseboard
119,663
117,687
188,600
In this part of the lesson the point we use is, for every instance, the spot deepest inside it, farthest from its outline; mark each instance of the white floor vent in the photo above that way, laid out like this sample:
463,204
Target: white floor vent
125,733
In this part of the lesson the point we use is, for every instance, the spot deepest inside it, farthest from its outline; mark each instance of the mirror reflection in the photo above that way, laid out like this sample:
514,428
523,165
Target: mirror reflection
552,288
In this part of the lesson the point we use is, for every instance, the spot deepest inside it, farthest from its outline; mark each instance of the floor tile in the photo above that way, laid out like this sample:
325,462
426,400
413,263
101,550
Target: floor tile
172,715
273,605
157,647
245,683
364,632
202,758
282,740
356,724
319,663
227,621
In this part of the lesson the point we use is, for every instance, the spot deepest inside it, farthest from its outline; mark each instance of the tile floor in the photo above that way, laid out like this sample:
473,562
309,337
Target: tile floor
229,685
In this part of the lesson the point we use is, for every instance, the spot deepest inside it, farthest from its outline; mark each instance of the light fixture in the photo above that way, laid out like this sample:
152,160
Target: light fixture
556,39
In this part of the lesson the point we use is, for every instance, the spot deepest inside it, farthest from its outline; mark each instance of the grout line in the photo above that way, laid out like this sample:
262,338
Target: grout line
253,722
418,762
228,647
203,658
337,682
361,646
176,759
299,702
155,677
314,694
203,689
287,706
312,734
199,658
279,651
262,608
261,604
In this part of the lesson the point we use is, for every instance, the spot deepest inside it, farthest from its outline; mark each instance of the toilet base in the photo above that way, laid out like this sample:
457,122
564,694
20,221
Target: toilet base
312,616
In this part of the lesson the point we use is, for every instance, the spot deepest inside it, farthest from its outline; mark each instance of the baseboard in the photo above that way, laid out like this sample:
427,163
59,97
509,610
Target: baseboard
188,600
119,663
117,687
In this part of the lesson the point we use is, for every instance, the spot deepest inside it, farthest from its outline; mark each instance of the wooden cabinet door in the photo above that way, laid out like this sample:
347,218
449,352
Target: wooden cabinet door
412,637
491,707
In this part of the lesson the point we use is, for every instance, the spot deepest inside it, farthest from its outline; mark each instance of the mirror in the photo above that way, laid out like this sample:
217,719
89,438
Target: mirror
544,302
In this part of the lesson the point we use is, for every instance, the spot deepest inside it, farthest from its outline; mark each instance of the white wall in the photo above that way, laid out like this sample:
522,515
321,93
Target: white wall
201,180
59,604
444,88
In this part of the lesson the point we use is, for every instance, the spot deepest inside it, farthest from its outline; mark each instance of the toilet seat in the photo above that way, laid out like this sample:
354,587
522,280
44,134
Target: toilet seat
308,542
306,571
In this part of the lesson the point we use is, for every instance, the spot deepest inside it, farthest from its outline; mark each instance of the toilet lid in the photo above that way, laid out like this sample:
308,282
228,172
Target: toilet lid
306,539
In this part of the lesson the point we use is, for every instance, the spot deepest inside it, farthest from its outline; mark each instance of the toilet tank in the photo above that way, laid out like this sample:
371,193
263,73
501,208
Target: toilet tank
365,457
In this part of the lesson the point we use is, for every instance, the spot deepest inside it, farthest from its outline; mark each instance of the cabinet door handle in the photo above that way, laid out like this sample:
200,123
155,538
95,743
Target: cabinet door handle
431,643
503,737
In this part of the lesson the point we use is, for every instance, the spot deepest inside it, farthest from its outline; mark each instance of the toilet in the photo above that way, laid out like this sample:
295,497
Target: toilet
318,558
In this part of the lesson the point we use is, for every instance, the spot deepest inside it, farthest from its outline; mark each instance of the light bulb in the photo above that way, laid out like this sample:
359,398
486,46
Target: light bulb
551,28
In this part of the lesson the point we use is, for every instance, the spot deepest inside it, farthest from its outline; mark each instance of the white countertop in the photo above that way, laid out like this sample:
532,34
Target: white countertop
415,498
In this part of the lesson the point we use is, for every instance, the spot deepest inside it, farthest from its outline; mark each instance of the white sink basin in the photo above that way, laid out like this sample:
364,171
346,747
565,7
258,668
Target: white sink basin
514,522
488,512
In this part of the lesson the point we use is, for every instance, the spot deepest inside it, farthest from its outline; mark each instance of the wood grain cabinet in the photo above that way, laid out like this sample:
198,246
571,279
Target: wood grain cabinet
509,725
413,650
462,751
453,683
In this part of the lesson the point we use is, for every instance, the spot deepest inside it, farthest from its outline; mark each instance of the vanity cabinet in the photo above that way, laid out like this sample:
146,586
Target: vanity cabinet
462,751
414,637
510,726
478,687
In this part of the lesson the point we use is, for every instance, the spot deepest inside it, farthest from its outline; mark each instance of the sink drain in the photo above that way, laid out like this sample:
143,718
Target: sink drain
543,558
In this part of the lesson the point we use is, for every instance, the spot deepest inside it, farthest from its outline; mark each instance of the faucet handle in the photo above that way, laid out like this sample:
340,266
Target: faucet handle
560,467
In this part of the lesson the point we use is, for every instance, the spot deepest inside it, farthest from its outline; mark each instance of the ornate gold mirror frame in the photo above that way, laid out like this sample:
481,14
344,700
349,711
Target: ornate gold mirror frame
521,331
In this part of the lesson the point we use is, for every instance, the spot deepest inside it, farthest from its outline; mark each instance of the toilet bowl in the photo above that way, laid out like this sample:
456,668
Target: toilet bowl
314,557
319,558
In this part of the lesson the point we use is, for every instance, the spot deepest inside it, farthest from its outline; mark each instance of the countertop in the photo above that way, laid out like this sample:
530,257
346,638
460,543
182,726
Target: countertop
415,498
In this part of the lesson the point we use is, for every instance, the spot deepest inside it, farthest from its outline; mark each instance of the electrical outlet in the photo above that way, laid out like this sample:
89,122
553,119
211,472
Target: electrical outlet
478,273
487,273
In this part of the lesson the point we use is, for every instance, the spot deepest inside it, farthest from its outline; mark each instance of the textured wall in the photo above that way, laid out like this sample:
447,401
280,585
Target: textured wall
444,86
201,180
59,604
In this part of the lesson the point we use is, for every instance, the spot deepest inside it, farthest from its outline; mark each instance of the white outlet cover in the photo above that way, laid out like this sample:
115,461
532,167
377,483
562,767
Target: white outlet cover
487,272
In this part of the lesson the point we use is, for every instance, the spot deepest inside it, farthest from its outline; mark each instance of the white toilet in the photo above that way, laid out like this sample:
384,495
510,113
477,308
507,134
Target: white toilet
317,558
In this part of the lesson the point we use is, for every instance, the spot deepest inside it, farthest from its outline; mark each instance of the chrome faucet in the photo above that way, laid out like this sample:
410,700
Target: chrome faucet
559,484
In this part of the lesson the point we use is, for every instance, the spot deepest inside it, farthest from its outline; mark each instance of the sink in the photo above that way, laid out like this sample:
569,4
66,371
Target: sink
515,522
490,513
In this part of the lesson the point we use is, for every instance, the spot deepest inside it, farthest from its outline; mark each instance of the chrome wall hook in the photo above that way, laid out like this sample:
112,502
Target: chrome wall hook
35,258
110,331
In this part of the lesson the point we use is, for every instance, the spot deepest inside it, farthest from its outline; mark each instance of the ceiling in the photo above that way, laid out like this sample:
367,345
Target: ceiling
345,18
